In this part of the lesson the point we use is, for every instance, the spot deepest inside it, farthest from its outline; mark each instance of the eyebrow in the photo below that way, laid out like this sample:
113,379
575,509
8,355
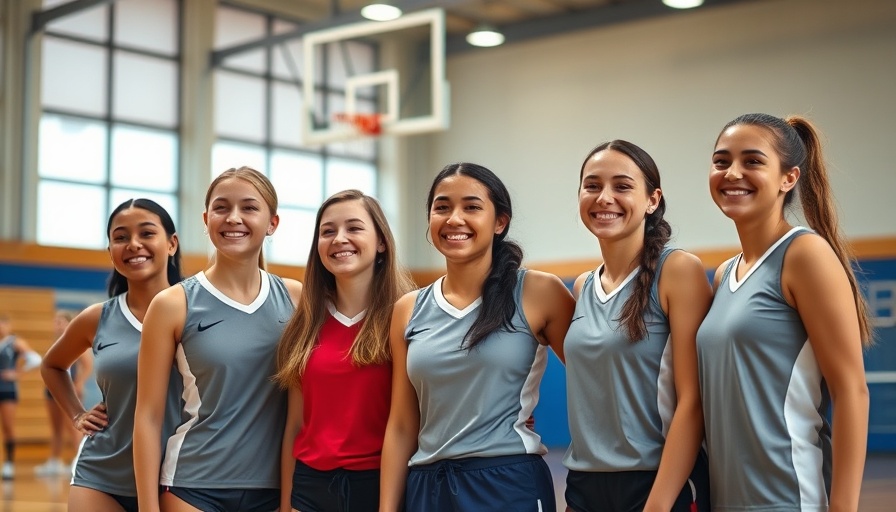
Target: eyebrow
744,152
328,223
616,177
465,198
141,225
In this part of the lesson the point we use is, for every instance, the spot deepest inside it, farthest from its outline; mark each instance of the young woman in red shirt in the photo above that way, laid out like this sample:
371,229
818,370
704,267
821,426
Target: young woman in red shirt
334,359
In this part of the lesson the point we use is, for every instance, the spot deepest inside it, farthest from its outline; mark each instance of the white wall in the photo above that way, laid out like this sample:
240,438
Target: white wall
531,111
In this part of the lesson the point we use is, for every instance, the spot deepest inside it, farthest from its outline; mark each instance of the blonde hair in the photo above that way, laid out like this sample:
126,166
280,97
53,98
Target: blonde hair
390,281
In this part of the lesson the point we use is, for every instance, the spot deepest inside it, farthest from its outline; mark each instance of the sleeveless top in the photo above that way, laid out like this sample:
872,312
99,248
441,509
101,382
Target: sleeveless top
620,394
105,461
764,399
473,402
234,411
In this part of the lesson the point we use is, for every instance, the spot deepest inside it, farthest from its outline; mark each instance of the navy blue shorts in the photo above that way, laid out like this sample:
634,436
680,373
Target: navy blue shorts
518,483
627,491
128,503
229,500
337,490
9,396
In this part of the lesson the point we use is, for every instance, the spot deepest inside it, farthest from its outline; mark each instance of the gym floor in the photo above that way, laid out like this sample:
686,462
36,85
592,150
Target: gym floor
29,493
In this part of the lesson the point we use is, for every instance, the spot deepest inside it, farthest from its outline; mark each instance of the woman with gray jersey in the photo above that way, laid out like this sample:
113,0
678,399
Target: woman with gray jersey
145,255
468,355
631,363
16,356
220,327
783,338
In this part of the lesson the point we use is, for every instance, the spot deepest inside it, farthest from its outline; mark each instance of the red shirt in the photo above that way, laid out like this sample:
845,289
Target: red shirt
345,406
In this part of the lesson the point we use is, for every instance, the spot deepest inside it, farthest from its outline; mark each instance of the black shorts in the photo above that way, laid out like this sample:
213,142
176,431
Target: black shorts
9,396
510,483
337,490
128,503
228,500
627,491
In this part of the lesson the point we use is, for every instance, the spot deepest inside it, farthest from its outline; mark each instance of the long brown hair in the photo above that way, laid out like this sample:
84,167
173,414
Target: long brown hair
799,145
390,282
656,235
257,180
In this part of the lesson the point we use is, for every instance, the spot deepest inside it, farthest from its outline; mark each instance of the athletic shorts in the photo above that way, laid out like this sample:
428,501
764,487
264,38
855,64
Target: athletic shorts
9,396
518,483
337,490
627,491
128,503
228,500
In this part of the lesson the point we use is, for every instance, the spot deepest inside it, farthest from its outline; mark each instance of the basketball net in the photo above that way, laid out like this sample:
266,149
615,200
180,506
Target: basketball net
365,124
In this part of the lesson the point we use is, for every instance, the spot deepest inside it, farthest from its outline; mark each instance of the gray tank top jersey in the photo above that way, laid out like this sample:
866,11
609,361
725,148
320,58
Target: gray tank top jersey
764,399
473,403
235,412
105,460
8,359
620,395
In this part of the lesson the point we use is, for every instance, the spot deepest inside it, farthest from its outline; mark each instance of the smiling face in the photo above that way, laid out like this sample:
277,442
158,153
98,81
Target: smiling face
139,246
613,196
747,180
462,218
238,218
347,242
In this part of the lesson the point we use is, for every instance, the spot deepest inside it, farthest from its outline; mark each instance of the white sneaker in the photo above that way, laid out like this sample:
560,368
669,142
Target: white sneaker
8,471
52,467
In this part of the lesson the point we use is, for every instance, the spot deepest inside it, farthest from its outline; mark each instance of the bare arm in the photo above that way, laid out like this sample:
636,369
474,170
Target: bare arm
295,290
66,351
815,283
294,419
685,295
84,366
548,306
162,326
403,427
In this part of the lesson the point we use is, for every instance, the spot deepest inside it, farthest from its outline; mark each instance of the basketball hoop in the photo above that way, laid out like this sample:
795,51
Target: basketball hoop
365,124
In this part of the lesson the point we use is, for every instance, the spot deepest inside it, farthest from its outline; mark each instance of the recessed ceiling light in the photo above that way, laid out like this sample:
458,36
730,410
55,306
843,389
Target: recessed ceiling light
683,4
381,12
485,36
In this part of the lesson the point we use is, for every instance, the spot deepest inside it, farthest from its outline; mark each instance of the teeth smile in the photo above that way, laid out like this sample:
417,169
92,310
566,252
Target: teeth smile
457,237
738,192
137,260
343,254
606,216
234,234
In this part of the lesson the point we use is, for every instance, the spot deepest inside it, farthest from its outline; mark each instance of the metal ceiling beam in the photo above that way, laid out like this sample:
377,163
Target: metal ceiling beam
40,19
218,56
585,19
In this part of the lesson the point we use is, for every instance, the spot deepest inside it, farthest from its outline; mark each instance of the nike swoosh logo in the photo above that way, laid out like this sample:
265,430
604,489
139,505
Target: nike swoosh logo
413,333
207,326
100,346
577,318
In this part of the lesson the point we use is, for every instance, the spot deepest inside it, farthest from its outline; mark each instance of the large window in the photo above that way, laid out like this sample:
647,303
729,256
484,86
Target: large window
257,122
109,126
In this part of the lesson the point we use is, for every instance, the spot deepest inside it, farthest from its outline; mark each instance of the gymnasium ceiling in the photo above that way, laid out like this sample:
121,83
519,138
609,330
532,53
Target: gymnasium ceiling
519,20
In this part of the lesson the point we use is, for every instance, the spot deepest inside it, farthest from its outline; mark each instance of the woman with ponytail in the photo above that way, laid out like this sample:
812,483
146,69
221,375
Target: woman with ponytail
631,362
468,355
784,336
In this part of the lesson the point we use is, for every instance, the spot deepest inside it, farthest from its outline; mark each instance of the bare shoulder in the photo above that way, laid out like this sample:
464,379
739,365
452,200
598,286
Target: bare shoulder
538,282
295,289
579,283
87,321
808,254
405,303
682,266
171,300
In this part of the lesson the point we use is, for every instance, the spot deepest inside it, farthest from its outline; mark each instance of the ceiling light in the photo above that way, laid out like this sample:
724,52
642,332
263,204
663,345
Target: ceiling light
485,35
683,4
381,12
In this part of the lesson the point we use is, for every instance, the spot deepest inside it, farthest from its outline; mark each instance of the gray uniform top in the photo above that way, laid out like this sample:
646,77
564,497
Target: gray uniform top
473,403
234,411
764,399
620,394
105,461
8,359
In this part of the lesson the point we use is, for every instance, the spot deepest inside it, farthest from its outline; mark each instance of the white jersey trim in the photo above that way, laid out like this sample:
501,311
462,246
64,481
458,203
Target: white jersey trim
803,424
734,283
666,397
192,402
126,311
599,292
343,319
446,306
528,401
245,308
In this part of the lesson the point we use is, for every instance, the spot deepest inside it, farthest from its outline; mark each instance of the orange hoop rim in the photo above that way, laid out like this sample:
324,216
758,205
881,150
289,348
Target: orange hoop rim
367,123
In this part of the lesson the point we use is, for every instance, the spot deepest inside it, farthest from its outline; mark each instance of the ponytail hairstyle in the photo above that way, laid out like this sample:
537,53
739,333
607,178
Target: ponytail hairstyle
656,235
799,145
389,282
498,305
117,283
257,180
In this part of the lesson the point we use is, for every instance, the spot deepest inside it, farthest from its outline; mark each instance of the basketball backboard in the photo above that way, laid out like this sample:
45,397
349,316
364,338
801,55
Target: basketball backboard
393,69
